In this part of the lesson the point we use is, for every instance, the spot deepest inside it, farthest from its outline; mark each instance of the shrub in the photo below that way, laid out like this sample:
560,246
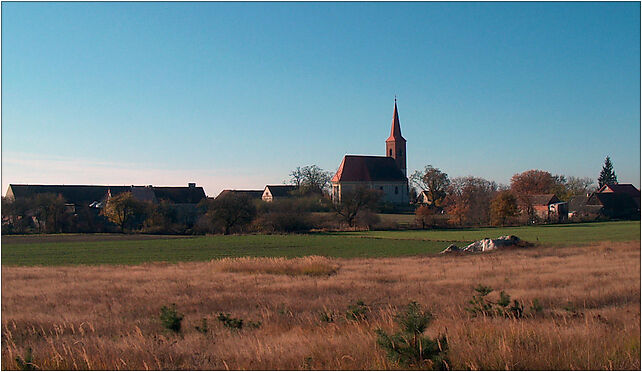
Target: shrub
409,347
481,305
203,328
326,316
26,364
170,318
357,311
236,323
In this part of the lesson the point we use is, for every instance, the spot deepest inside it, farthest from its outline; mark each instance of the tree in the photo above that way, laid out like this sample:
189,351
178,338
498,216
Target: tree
456,201
162,217
468,200
532,182
123,209
426,215
49,210
352,202
607,175
503,207
433,181
231,210
579,186
310,179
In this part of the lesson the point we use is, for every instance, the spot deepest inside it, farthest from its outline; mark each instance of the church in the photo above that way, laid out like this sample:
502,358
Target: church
385,173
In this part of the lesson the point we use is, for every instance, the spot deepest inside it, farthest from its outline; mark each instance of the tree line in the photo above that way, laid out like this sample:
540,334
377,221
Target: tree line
437,200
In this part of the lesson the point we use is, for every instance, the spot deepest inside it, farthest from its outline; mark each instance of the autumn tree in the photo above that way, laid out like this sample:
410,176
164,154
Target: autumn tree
503,207
456,201
532,182
123,209
310,179
433,181
426,215
230,211
353,202
607,175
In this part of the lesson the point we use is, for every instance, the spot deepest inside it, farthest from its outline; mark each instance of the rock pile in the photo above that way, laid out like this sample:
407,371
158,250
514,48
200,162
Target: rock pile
486,244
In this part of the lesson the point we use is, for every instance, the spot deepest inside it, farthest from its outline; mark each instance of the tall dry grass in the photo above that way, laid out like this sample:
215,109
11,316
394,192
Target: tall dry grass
310,265
106,317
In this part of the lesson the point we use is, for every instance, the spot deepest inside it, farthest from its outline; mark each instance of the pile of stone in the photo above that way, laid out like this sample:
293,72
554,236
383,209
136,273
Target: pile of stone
487,245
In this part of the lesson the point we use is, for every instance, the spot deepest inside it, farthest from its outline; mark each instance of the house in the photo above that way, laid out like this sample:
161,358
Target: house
95,196
250,194
578,209
424,198
387,173
276,192
546,207
616,201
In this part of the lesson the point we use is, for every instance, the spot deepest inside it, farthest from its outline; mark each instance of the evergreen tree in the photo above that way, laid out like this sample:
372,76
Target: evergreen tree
607,175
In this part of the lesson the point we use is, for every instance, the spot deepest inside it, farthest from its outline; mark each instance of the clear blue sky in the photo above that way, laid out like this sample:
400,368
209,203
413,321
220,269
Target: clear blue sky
235,95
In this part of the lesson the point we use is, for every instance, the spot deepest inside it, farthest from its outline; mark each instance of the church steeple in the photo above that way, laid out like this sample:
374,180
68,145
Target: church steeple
396,144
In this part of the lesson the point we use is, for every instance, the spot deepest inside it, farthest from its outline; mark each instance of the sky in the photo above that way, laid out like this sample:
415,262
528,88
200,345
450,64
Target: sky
236,95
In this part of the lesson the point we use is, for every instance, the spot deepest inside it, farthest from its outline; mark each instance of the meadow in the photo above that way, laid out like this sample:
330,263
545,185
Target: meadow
94,301
107,317
95,249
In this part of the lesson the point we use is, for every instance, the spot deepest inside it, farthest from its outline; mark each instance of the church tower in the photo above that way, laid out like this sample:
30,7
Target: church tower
396,144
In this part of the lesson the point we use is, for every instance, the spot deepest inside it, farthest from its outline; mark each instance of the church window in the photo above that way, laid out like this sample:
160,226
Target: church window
396,190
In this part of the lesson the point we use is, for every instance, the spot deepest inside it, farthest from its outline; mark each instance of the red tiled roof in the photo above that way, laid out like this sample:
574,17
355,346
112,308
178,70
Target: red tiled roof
395,130
355,168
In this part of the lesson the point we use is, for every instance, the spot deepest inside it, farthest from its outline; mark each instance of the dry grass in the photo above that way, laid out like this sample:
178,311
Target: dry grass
106,317
310,265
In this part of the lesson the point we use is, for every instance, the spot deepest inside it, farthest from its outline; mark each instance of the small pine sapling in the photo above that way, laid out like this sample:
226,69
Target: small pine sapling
357,311
409,348
170,318
26,364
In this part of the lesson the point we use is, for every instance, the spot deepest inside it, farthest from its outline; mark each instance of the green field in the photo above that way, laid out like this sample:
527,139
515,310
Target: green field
133,249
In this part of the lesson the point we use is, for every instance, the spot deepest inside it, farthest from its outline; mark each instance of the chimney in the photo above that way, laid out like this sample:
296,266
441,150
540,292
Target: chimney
191,185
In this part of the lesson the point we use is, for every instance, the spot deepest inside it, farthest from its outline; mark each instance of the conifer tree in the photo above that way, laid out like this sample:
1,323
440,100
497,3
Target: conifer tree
607,175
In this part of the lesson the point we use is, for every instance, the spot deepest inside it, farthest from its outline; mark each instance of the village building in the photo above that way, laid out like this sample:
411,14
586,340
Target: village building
277,192
250,194
546,207
95,196
387,174
620,201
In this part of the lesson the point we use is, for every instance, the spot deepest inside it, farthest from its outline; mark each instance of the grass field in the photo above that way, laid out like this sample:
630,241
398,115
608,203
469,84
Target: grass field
96,249
107,317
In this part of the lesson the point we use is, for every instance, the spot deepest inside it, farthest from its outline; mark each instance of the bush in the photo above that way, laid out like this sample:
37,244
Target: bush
357,311
236,323
170,318
481,305
26,364
203,328
287,215
409,347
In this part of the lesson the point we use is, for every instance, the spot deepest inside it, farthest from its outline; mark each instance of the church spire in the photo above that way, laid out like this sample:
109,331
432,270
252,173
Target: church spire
396,144
395,130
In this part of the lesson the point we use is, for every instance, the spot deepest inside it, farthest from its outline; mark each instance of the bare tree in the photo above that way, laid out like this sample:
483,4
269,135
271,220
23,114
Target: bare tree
352,202
433,181
310,179
230,210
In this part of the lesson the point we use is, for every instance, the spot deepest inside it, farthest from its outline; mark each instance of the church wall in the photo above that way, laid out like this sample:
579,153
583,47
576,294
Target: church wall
393,192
